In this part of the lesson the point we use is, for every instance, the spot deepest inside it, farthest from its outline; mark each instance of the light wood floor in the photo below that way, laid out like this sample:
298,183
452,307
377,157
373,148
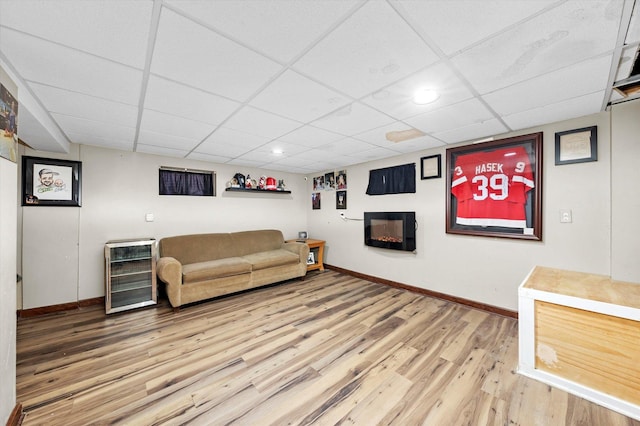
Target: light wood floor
332,349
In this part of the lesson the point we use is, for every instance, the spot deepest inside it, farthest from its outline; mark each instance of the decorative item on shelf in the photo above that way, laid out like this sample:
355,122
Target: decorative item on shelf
281,185
271,183
239,177
262,183
248,183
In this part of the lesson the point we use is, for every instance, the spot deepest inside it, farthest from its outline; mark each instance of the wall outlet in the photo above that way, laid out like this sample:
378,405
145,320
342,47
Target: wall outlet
565,216
149,217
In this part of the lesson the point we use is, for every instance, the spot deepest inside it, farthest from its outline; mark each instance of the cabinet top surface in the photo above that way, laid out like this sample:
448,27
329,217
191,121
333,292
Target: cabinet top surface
595,287
307,241
131,241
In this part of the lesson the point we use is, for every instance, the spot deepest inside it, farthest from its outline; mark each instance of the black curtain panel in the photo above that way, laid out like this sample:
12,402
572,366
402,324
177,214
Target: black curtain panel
392,180
183,182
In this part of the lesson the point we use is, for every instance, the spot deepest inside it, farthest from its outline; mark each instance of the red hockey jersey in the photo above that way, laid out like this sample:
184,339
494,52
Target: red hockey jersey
491,187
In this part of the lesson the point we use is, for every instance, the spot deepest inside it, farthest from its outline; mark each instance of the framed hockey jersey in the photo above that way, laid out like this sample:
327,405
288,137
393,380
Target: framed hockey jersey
495,188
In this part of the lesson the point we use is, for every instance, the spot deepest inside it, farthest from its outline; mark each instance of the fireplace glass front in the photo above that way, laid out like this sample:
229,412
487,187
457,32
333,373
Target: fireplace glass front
391,230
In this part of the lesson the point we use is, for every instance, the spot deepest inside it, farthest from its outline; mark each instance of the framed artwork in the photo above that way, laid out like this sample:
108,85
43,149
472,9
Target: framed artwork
318,183
577,146
302,235
494,189
329,181
341,180
8,121
51,182
311,259
431,167
341,200
315,200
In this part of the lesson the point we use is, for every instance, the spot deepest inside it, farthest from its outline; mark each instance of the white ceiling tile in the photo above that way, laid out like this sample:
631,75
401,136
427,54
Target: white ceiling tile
572,32
94,140
472,132
83,126
453,25
627,59
417,144
577,80
116,30
79,105
310,136
243,140
346,146
158,122
34,133
191,54
208,157
184,101
159,150
378,137
260,123
268,25
164,140
352,119
246,161
633,35
43,62
459,115
376,153
397,99
371,49
572,108
294,96
285,147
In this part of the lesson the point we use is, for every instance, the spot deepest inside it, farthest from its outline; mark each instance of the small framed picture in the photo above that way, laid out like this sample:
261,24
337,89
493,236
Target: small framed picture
51,182
341,200
315,201
431,167
577,146
302,235
311,259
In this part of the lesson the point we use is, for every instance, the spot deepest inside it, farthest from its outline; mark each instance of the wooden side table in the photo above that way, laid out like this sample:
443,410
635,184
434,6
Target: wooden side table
316,252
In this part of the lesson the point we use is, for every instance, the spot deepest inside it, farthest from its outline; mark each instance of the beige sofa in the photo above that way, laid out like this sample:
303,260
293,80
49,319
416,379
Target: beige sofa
201,266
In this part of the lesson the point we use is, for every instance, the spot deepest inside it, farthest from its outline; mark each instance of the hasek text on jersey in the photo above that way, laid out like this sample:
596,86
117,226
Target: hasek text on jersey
489,167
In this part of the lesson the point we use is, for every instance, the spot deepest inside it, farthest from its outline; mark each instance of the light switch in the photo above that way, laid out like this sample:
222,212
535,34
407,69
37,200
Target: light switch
565,216
148,217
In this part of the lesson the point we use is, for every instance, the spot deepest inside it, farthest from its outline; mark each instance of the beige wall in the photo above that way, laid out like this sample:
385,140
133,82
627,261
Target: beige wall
63,247
483,269
8,208
625,191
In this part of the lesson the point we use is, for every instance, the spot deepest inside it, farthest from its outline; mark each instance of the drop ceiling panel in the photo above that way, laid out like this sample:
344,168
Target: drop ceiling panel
346,146
448,118
164,140
575,31
397,99
85,106
209,158
165,152
159,122
260,123
572,108
633,35
48,63
104,142
299,98
413,145
106,130
267,26
577,80
454,25
376,153
115,30
310,136
370,50
35,134
627,59
191,54
352,119
230,143
474,131
285,147
184,101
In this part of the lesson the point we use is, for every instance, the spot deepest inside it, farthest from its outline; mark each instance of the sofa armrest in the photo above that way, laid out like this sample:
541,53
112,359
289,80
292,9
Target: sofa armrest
301,249
169,270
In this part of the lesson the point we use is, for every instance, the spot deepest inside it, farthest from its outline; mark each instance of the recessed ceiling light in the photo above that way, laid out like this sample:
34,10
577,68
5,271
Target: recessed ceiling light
425,96
277,151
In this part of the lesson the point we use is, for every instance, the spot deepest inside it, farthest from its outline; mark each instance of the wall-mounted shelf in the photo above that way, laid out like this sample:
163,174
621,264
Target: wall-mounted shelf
275,191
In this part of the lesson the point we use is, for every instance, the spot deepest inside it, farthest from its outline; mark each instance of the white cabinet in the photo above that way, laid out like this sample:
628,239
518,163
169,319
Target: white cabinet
130,274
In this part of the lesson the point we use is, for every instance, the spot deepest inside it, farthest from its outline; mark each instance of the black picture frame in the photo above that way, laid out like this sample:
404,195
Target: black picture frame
51,182
494,189
577,146
431,167
341,200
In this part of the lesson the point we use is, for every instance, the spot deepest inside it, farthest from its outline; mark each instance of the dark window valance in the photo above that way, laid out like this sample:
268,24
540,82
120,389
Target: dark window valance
392,180
186,182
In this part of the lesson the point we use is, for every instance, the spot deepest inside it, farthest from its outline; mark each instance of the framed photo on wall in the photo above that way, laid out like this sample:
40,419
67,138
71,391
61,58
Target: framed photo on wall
431,167
51,182
494,189
577,146
341,200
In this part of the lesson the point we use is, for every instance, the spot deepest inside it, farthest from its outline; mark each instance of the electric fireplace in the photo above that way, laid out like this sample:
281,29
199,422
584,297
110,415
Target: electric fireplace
390,230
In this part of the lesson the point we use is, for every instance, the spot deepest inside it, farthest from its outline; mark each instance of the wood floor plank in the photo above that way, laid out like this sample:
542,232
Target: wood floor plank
332,349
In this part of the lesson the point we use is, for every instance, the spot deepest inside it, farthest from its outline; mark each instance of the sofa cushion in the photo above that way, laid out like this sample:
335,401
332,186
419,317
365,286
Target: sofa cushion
211,269
267,259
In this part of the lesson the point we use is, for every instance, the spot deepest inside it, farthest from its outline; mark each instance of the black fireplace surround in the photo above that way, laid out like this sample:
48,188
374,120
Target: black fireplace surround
390,230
